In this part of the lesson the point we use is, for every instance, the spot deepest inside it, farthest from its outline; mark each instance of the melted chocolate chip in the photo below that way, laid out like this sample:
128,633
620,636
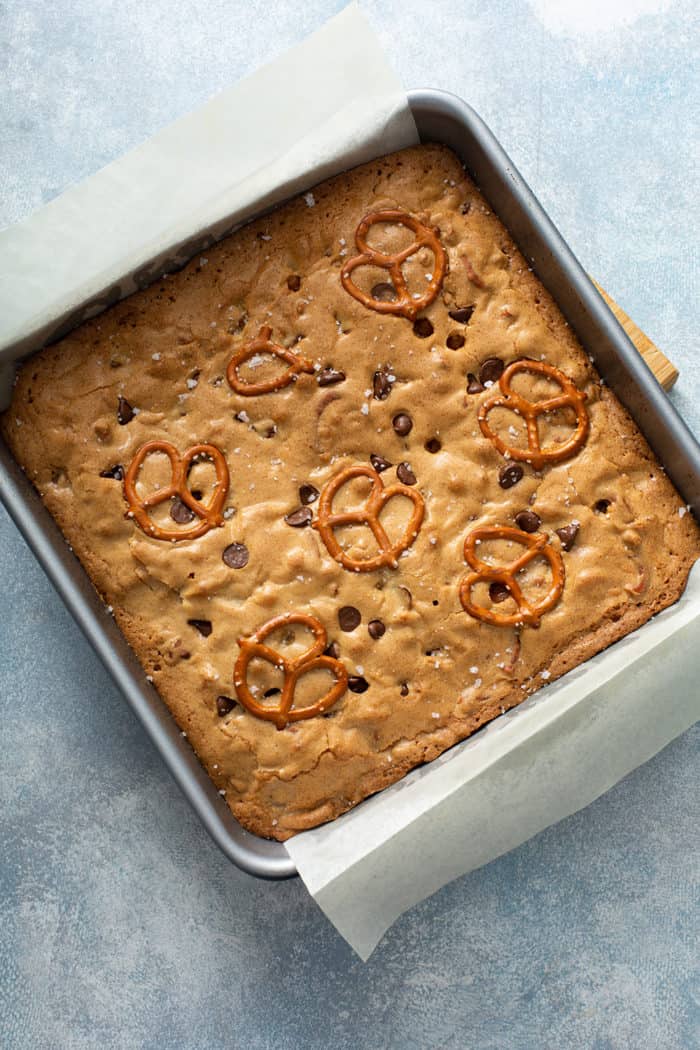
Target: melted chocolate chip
299,518
510,475
330,376
376,629
180,512
384,292
567,534
404,689
379,463
473,384
349,618
381,386
203,626
357,684
528,521
332,650
491,370
235,556
601,506
125,412
498,592
405,474
423,328
402,424
433,445
463,315
308,494
294,282
454,341
224,704
116,472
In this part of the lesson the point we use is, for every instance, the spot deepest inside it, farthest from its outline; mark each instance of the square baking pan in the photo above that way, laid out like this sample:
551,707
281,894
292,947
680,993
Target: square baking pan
439,117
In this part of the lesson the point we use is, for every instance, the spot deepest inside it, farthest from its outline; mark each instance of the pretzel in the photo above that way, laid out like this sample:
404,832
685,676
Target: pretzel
311,659
327,521
404,304
263,344
209,514
571,397
527,612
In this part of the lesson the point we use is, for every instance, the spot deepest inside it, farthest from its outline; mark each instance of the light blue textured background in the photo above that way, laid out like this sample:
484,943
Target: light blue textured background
121,925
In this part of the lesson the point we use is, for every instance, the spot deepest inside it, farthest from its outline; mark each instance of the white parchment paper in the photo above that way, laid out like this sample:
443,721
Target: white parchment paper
326,105
540,762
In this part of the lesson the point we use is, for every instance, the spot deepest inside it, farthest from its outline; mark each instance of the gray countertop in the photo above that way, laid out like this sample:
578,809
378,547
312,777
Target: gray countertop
121,925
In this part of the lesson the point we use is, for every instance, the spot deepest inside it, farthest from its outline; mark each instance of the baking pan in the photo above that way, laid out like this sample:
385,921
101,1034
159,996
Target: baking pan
440,117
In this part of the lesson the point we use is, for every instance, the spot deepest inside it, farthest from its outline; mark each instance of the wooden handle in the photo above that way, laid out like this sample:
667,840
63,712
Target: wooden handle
664,370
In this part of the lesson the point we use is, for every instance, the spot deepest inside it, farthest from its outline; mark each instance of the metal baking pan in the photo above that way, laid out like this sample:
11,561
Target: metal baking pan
440,117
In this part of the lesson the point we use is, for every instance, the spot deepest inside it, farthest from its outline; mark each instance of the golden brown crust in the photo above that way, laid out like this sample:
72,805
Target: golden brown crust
436,674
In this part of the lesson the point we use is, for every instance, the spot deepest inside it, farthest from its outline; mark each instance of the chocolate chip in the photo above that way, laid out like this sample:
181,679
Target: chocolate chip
423,328
510,475
498,592
404,689
385,292
567,534
473,384
357,684
405,474
433,445
332,650
330,376
381,386
235,556
116,472
308,494
197,494
203,626
528,521
463,315
454,341
299,518
349,618
224,704
379,463
180,512
125,412
491,370
601,506
376,629
294,282
402,424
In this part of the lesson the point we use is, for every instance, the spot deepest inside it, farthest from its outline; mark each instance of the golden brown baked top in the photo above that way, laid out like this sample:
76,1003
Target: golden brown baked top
351,486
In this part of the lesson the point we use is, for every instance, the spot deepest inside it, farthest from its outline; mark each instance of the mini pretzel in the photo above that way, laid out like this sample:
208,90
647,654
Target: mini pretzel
404,304
293,669
327,520
209,514
263,345
571,397
527,612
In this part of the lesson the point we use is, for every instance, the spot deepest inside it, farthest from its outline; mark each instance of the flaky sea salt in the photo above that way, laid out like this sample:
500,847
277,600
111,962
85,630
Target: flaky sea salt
309,199
155,357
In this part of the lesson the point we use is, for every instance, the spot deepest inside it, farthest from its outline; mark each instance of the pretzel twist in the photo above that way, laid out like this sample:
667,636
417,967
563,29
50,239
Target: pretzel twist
404,305
328,520
293,669
571,397
262,344
209,514
528,612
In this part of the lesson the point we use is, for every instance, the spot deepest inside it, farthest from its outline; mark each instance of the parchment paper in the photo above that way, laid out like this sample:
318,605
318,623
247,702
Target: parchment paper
326,105
540,762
